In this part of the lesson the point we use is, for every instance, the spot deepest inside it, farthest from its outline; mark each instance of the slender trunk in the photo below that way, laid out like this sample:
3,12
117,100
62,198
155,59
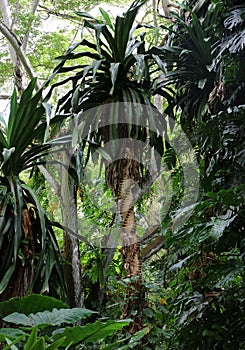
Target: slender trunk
71,244
27,34
135,293
4,8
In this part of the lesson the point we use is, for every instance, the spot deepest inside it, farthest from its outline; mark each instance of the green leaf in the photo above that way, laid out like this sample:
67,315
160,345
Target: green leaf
38,345
4,282
31,339
48,111
140,68
104,154
21,116
113,44
7,154
91,332
219,226
11,333
106,18
3,141
13,109
114,67
11,345
56,344
32,303
54,317
87,15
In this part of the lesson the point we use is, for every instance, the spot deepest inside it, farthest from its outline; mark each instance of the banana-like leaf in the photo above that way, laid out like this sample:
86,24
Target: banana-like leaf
32,303
10,333
55,317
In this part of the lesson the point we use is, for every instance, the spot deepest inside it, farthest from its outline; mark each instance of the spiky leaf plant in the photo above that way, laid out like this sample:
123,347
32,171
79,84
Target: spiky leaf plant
118,72
30,260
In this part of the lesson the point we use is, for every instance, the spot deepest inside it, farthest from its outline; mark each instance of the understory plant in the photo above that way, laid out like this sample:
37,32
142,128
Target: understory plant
41,322
30,259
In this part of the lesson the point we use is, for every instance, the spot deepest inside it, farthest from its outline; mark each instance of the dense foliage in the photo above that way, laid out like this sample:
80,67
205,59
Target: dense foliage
188,291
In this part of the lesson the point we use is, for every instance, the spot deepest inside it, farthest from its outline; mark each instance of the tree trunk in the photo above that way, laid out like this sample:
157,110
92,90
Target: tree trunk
130,251
123,177
17,50
71,244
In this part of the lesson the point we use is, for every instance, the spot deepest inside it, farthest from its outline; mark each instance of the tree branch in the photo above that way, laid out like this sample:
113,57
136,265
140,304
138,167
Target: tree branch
26,37
152,241
152,248
4,9
15,43
58,14
49,178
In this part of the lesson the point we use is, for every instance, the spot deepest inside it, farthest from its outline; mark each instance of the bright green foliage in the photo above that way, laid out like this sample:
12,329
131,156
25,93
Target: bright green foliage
195,285
36,331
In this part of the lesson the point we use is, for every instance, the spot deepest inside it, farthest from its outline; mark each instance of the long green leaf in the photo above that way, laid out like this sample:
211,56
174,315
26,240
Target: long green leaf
91,332
56,345
123,27
87,15
4,282
13,109
38,345
114,68
3,141
30,117
17,124
106,18
31,339
17,194
113,44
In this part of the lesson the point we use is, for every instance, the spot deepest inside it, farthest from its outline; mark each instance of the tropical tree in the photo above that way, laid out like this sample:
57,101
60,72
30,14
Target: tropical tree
118,72
30,259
